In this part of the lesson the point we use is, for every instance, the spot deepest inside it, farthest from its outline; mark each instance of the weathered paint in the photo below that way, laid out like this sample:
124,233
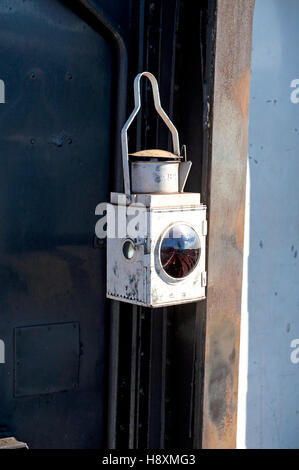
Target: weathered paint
141,280
226,221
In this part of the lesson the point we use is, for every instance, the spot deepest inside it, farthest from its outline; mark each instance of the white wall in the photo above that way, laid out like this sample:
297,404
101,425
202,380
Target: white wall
269,381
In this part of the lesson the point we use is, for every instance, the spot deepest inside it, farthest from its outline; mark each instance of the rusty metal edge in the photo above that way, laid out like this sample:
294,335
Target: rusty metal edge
218,319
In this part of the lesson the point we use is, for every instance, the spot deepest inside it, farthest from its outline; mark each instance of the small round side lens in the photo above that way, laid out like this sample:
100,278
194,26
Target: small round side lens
128,249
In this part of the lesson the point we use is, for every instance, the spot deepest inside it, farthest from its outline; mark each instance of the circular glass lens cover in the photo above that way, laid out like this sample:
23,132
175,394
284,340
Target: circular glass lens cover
128,249
180,251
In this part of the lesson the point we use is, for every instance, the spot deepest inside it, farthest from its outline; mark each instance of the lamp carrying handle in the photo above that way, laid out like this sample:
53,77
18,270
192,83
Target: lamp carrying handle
160,111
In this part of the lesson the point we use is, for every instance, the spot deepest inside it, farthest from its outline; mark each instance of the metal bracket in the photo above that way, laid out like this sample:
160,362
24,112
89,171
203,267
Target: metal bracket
145,242
160,111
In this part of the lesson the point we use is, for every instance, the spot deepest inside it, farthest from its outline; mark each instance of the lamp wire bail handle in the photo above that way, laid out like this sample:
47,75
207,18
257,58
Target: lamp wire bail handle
162,114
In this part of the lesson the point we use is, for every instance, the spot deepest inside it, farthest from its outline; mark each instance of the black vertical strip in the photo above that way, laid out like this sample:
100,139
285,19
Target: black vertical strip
164,365
133,390
140,67
156,374
142,410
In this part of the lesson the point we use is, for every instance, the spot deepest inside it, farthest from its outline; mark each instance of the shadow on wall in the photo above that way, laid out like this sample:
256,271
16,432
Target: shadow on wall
269,412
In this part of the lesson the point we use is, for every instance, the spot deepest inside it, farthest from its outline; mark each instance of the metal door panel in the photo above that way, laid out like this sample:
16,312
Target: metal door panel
54,153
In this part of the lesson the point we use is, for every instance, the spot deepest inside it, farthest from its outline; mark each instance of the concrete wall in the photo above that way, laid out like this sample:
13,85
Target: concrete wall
269,375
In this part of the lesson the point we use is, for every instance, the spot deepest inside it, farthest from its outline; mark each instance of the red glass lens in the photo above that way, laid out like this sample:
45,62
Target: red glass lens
180,251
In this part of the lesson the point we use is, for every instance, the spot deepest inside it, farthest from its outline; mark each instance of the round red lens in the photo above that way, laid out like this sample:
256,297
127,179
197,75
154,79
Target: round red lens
180,251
